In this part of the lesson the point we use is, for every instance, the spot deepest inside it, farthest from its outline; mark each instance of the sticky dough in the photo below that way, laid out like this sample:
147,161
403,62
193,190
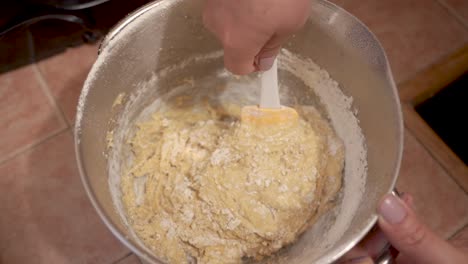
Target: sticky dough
204,188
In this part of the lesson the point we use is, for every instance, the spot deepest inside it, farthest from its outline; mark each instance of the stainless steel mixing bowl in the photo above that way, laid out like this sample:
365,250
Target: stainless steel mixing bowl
165,32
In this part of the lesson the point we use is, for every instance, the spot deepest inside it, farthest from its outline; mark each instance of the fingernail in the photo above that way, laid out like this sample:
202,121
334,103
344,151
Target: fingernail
392,210
265,63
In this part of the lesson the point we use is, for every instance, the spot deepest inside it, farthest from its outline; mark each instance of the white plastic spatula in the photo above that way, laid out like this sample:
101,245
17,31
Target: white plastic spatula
269,94
270,111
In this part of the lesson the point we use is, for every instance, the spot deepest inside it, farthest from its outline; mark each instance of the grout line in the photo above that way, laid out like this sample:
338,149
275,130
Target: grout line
451,234
429,152
434,158
26,148
423,69
453,13
122,258
46,89
442,57
449,174
419,72
458,231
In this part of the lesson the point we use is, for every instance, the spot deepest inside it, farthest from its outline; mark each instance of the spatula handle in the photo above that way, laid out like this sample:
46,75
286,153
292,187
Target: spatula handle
269,94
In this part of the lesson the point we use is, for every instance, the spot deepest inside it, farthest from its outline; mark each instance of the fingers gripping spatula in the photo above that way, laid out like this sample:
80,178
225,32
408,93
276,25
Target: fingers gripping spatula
269,112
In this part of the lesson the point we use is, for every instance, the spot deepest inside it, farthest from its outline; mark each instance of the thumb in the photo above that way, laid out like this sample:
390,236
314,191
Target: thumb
241,49
410,236
265,58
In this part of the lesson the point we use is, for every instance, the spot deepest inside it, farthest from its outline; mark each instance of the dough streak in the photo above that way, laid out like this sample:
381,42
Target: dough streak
203,186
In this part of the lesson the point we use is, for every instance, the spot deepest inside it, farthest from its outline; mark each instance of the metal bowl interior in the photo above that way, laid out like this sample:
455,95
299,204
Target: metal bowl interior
163,33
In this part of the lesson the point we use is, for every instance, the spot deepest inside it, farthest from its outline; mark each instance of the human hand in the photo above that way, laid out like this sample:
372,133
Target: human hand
413,239
252,31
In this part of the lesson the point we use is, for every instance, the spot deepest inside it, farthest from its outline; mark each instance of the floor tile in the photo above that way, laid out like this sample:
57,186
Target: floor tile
46,215
460,239
65,74
460,7
414,33
27,115
131,259
439,201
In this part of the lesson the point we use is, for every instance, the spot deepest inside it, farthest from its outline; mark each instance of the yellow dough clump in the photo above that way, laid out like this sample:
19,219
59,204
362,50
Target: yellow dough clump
203,186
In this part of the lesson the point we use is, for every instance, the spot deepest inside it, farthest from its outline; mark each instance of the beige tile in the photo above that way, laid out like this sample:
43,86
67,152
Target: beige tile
439,201
461,239
414,33
46,216
27,116
65,74
130,259
460,7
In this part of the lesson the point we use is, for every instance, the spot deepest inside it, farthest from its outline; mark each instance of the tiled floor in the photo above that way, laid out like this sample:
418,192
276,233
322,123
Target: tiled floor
129,259
46,217
438,199
414,33
461,238
458,8
28,114
65,75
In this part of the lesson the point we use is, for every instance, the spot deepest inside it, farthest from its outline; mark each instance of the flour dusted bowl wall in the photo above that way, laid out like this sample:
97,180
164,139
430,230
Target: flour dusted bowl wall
164,33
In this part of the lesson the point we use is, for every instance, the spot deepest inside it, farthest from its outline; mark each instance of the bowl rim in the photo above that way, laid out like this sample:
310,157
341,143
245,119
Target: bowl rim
331,255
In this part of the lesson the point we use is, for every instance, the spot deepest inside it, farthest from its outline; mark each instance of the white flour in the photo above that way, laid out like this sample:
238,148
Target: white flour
337,105
342,116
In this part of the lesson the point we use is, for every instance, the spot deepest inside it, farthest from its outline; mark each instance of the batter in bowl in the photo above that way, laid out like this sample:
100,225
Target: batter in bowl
203,187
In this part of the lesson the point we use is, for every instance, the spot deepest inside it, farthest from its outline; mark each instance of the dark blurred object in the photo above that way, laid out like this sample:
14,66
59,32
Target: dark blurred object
446,112
69,4
31,30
